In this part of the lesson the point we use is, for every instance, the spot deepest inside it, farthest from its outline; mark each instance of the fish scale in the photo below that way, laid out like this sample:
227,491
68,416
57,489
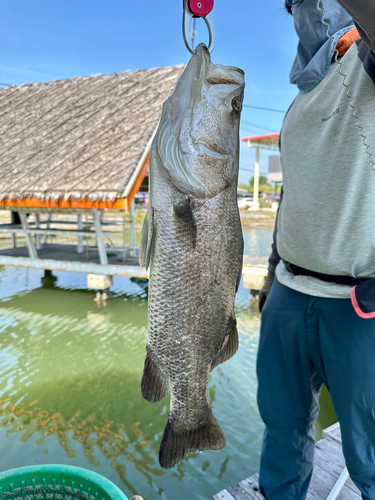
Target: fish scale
192,242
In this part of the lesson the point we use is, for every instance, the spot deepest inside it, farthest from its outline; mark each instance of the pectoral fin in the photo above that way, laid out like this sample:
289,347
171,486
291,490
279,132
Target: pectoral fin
186,219
230,347
146,239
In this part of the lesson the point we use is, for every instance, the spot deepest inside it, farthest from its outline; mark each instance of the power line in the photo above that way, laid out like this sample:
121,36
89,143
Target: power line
252,171
242,125
249,130
258,126
6,84
30,69
264,109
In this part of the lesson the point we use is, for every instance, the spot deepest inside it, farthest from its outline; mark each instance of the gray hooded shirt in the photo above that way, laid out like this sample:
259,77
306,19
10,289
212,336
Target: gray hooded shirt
326,222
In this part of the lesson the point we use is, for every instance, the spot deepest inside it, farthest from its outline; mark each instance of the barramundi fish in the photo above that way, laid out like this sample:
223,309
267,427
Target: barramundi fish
192,243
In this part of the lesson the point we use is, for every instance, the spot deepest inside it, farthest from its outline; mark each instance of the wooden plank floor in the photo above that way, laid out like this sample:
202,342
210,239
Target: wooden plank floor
329,463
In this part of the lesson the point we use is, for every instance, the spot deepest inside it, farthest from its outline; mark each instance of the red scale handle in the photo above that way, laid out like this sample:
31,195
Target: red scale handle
200,8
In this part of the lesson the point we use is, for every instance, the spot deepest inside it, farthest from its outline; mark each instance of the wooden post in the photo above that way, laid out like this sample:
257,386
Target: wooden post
15,219
99,238
87,242
132,230
256,180
29,240
37,236
123,238
80,238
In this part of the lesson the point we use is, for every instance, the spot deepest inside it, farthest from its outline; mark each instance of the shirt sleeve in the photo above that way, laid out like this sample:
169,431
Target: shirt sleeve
363,14
275,257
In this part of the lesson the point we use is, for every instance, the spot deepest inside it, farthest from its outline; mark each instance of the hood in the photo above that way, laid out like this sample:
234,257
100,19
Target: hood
314,53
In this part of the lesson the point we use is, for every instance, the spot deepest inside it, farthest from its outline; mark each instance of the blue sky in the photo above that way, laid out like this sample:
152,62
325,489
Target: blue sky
43,40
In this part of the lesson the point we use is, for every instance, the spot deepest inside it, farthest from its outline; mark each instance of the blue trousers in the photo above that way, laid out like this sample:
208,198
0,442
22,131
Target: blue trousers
304,342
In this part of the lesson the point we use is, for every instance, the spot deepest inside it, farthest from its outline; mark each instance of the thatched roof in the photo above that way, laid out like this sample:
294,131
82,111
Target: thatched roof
80,138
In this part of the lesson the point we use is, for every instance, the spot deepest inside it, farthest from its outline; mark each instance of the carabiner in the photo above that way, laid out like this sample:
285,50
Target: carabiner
191,10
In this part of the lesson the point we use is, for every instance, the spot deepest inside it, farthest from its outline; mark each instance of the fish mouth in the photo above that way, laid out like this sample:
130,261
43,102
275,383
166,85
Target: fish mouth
210,148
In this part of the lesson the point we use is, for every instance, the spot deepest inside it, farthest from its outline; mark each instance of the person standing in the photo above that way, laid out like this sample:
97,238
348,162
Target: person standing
318,302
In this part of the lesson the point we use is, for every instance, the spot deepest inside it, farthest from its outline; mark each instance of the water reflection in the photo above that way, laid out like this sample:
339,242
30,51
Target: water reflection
94,431
70,387
257,241
71,382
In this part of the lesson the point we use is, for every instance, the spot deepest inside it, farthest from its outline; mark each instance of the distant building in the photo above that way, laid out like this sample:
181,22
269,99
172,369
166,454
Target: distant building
269,142
241,192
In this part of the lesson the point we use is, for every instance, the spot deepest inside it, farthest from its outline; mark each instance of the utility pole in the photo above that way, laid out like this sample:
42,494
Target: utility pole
255,203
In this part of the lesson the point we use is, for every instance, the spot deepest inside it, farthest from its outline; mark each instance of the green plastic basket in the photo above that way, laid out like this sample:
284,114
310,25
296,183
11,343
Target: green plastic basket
57,482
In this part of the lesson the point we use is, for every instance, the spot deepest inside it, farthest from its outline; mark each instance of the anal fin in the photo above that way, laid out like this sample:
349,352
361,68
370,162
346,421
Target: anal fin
230,347
175,444
155,386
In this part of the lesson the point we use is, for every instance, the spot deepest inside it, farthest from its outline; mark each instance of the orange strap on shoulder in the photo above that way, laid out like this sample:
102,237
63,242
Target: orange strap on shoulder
347,40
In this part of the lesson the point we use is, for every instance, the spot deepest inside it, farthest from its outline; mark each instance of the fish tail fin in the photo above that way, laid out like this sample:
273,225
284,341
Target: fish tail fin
231,346
155,386
176,444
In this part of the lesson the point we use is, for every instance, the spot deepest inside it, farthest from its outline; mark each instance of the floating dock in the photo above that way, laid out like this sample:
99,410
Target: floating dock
42,251
66,258
329,464
37,232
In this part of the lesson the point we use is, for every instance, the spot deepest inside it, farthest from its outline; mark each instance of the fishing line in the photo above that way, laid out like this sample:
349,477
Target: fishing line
193,32
355,109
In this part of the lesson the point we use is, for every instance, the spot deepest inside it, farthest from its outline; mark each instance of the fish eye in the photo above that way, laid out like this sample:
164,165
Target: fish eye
237,104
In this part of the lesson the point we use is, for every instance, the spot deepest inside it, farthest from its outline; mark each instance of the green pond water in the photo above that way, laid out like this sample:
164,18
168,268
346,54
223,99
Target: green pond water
70,374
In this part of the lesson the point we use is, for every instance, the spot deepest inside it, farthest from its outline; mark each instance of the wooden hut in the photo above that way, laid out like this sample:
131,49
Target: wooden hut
75,147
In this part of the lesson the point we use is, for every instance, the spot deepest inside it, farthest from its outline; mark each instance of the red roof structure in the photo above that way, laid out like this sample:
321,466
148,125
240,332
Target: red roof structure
270,141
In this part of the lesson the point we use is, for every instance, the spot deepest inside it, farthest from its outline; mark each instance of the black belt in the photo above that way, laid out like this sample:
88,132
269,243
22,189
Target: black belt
342,280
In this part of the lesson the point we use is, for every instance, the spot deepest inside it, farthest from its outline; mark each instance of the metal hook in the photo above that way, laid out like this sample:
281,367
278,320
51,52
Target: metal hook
208,19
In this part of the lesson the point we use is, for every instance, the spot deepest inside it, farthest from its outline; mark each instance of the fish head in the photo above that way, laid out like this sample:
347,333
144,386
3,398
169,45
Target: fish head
198,141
